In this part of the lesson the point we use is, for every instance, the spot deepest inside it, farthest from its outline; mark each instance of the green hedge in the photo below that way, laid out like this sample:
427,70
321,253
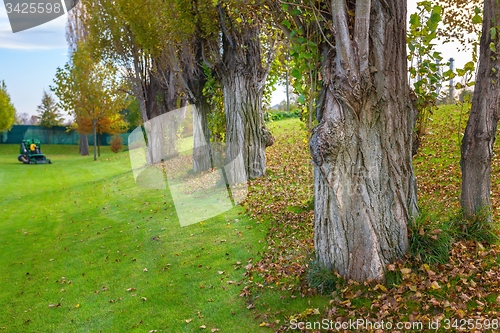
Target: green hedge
280,115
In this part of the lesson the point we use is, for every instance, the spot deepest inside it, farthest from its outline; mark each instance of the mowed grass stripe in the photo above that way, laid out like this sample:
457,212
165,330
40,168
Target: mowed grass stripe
86,250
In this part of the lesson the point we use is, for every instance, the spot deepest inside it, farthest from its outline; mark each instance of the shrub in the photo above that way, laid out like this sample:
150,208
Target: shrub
274,115
479,227
116,143
323,279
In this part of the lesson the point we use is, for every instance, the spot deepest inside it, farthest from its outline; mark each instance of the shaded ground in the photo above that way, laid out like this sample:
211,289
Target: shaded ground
461,295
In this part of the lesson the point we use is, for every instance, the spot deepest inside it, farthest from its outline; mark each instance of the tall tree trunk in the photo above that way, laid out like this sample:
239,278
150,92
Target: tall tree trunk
195,80
202,153
99,142
173,123
364,185
94,133
243,80
245,145
84,145
477,144
154,101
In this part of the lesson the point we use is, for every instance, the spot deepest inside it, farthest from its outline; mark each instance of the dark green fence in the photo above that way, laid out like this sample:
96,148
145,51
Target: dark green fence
58,135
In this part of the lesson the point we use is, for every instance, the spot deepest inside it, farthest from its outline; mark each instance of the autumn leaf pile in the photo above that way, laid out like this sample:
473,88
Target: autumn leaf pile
284,197
460,295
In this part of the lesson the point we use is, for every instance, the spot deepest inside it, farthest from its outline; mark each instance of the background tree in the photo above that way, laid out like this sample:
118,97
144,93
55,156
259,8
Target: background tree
91,88
49,112
426,65
119,32
300,56
192,37
7,110
128,34
22,118
110,124
479,137
77,32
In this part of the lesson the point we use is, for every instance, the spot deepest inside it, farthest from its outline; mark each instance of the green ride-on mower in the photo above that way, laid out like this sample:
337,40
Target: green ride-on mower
30,153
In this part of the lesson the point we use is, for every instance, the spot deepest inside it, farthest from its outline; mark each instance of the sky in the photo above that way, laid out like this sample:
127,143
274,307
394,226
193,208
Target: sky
29,59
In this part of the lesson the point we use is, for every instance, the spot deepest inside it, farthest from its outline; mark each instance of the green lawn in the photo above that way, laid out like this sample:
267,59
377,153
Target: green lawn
86,250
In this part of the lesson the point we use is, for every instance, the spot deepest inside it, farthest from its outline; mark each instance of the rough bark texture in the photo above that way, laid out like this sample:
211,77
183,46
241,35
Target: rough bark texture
365,191
193,77
157,97
244,124
162,135
479,138
243,78
201,133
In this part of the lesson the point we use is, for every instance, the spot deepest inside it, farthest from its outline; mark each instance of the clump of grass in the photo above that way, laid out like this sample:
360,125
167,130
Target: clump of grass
430,239
309,204
393,278
325,280
478,227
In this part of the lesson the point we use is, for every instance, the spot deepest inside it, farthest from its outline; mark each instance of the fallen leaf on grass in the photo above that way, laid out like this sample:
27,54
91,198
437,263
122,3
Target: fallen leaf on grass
381,287
405,271
435,285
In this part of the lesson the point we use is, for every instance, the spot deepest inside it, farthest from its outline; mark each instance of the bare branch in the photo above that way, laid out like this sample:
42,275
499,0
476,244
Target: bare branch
361,30
207,62
225,31
320,29
342,38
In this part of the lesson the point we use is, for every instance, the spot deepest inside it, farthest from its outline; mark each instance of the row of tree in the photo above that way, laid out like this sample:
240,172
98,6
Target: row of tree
49,114
347,61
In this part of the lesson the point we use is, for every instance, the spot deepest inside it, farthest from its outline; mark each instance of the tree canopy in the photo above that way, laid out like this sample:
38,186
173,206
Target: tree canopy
7,110
49,112
348,64
90,88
